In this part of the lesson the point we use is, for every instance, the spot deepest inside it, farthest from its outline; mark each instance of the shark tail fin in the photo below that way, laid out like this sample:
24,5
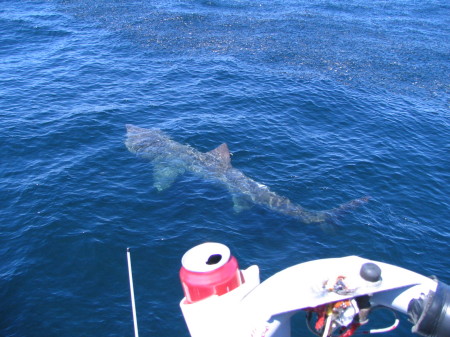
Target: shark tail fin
327,220
349,206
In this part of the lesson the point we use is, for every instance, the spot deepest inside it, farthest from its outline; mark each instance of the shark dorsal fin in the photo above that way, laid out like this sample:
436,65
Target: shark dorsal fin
222,153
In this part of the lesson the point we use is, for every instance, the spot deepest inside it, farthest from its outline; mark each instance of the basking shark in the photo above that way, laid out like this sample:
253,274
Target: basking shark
170,159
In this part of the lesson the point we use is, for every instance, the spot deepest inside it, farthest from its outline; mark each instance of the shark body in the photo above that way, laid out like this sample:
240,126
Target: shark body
170,159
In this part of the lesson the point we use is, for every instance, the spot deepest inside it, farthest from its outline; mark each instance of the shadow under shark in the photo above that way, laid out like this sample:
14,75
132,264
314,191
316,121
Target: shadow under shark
171,159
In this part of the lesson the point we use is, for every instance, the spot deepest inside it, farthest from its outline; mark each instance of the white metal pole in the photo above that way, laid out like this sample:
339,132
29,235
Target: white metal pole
133,304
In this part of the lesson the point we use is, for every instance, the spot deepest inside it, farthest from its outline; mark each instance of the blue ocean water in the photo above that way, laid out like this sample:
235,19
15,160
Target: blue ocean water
323,101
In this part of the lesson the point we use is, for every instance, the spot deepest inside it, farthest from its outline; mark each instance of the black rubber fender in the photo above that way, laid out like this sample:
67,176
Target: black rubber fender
431,314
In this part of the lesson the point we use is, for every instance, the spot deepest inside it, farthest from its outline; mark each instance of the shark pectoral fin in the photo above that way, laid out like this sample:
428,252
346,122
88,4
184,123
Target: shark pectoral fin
222,154
328,228
164,176
241,203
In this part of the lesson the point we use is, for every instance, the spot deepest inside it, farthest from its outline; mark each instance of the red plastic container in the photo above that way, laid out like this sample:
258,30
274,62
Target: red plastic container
209,269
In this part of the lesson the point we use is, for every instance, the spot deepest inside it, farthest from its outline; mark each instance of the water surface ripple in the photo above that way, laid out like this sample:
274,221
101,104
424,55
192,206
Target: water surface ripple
322,101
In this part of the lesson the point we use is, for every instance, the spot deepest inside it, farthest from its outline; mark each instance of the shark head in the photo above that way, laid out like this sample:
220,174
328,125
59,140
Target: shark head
141,140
